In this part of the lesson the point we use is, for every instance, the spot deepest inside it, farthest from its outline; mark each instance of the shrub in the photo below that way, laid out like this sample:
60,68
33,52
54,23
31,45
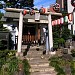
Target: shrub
73,53
73,67
55,62
26,67
9,67
10,64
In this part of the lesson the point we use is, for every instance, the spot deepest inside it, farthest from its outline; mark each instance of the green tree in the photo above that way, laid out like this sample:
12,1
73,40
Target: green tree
65,33
5,29
61,33
18,3
1,24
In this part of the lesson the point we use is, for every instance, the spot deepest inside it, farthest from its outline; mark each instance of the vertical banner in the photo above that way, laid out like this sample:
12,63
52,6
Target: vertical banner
70,16
58,21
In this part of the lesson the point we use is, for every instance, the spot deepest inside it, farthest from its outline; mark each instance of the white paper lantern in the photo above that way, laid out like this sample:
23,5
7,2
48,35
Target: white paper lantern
66,19
58,21
70,17
61,20
55,22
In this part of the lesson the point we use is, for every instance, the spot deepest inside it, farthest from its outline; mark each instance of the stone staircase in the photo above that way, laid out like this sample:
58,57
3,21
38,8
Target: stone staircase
39,63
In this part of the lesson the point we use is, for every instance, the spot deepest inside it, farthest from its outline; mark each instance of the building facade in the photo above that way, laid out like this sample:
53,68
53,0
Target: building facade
65,5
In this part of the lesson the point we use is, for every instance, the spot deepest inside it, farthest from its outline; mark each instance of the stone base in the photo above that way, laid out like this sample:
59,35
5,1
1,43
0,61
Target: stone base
19,54
47,52
53,53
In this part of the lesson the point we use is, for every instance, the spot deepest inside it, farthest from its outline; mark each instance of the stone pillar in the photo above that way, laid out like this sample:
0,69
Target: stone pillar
36,33
13,38
74,22
47,44
20,32
50,32
69,26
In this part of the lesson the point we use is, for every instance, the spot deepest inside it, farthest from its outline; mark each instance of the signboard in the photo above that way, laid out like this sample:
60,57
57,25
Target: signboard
37,16
40,21
31,20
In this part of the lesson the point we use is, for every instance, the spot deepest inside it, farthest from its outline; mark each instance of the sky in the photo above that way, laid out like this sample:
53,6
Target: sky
39,3
44,3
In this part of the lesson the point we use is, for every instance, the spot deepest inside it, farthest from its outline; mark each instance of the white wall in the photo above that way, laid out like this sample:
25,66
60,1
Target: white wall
69,6
13,32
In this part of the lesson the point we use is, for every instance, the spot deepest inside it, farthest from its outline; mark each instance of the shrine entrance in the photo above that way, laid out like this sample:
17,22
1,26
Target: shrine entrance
28,34
31,33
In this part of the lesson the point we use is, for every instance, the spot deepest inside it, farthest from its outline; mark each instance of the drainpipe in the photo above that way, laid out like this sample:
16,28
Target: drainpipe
74,21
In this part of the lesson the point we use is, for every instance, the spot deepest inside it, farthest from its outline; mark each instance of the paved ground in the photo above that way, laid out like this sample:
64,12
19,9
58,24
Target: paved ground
39,63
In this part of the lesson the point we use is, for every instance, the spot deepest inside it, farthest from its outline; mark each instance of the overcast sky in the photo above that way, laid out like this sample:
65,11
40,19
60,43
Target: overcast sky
44,3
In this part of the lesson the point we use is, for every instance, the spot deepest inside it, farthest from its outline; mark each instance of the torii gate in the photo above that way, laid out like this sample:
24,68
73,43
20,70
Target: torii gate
21,26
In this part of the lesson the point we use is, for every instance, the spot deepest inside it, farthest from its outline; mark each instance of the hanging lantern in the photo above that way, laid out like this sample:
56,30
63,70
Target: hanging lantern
31,12
42,10
24,12
55,22
61,20
66,19
58,21
56,7
70,17
52,23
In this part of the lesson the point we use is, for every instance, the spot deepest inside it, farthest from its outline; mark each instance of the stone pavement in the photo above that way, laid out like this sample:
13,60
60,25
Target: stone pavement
39,63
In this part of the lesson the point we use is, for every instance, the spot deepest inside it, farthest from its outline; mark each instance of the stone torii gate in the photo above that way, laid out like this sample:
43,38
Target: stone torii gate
21,26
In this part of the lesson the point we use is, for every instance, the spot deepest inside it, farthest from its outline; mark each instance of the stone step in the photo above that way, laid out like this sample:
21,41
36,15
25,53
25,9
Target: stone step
34,55
38,62
34,52
42,69
40,57
34,47
44,73
24,47
31,58
40,65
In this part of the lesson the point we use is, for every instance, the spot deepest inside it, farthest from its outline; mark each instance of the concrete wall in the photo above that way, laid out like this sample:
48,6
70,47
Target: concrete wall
13,32
69,6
